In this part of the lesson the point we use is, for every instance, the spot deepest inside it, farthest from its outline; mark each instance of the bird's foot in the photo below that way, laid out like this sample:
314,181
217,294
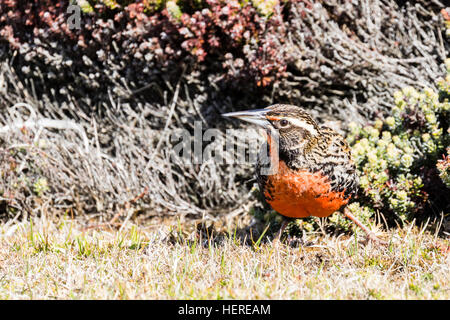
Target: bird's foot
277,240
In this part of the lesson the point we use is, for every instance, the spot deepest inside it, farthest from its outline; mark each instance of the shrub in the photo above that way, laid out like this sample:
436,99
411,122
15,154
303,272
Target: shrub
117,75
306,53
398,157
238,33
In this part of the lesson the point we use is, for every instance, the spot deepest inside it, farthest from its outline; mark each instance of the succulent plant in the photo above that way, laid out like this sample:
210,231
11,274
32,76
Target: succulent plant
397,156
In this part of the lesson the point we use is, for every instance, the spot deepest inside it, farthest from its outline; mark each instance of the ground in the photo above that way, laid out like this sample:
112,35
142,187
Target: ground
64,258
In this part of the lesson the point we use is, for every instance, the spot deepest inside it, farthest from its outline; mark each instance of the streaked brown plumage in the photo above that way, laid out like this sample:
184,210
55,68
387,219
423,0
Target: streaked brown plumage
313,171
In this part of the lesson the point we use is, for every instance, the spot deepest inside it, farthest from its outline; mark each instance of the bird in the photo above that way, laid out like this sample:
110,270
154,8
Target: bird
303,169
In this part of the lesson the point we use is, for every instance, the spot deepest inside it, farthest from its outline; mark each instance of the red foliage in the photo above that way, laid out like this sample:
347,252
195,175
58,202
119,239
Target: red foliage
245,42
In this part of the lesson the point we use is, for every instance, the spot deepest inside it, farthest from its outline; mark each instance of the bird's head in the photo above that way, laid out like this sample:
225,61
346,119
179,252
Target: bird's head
291,125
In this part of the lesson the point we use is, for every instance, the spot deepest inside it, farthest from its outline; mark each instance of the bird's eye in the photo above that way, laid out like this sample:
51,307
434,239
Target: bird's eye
284,123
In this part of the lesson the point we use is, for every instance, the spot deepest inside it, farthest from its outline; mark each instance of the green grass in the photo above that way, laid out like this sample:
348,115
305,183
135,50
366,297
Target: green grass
42,259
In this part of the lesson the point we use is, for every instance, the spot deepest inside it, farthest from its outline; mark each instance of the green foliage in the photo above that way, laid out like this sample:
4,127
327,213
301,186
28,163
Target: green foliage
85,6
177,7
88,6
174,10
40,186
396,157
265,7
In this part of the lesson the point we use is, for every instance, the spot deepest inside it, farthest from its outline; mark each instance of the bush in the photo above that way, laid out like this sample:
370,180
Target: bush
305,53
137,70
399,158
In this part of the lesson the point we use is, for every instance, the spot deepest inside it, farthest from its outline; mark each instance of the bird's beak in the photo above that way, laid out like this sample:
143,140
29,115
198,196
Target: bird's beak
257,116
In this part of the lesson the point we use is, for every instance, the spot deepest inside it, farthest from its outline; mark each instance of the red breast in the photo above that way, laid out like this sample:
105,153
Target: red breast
300,194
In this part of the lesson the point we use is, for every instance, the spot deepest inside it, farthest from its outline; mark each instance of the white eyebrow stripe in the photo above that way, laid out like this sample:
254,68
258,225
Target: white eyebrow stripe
302,124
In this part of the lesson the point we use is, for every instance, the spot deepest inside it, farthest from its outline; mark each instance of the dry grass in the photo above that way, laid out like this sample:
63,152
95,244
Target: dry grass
64,260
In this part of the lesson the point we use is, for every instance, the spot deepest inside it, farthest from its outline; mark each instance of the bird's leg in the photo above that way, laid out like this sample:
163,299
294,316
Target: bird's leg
277,238
370,235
